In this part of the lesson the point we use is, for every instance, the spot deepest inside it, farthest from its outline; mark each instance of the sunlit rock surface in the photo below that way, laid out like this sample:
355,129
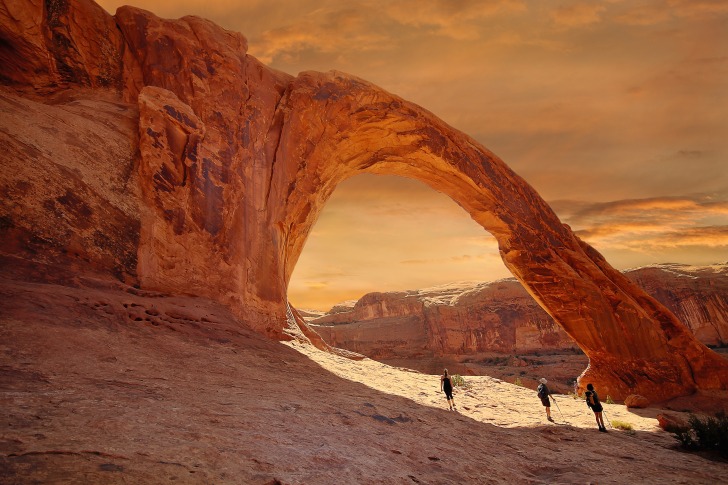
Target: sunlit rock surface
697,295
459,319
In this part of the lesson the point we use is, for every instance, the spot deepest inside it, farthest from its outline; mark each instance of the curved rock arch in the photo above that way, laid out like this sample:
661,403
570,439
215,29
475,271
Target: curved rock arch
336,126
236,161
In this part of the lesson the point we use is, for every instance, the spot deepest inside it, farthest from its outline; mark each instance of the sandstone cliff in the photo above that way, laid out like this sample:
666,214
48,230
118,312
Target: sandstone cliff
213,170
461,320
697,295
450,320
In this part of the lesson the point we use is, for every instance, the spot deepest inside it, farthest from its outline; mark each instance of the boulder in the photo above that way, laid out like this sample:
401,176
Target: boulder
670,422
636,401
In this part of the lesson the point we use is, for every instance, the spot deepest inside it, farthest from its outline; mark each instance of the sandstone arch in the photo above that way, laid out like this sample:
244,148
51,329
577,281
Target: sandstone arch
236,160
339,126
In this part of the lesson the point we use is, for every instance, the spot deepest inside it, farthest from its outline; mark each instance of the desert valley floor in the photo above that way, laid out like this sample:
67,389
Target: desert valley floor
103,383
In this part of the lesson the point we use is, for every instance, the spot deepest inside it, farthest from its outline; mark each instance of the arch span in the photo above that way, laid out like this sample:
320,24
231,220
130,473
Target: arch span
237,160
336,126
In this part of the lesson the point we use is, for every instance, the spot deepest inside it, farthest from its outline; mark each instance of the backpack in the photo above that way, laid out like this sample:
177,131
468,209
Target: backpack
591,398
541,391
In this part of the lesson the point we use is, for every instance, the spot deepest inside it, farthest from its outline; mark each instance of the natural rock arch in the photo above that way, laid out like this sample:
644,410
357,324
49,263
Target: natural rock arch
236,160
336,126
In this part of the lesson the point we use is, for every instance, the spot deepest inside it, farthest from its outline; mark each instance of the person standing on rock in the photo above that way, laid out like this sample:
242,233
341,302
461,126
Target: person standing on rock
446,385
592,400
543,394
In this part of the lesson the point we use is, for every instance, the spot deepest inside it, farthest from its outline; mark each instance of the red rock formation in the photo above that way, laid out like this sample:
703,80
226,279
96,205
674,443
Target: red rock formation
465,320
69,194
49,46
670,422
451,320
697,295
230,194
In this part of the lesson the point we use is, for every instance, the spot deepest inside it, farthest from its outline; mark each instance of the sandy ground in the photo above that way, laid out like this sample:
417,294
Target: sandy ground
107,384
483,398
561,368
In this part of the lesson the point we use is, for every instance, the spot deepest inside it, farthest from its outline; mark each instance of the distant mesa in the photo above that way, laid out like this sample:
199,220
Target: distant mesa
467,320
158,153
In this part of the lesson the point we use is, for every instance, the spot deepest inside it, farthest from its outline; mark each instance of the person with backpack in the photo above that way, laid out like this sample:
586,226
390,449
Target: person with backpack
446,385
543,394
592,400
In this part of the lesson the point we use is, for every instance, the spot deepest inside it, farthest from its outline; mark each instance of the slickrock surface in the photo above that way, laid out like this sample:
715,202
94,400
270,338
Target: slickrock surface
234,163
455,321
70,197
103,383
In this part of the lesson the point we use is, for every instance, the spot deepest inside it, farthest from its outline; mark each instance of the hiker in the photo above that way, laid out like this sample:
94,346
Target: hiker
543,394
446,385
592,400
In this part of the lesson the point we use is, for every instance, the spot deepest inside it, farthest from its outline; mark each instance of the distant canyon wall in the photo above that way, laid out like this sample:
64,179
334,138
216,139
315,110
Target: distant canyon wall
461,320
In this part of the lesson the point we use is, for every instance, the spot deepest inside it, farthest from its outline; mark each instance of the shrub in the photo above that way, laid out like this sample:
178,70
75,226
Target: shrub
623,425
609,399
458,381
518,382
711,434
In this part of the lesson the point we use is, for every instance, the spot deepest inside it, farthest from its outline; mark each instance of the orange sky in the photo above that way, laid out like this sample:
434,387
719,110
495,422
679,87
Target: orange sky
615,111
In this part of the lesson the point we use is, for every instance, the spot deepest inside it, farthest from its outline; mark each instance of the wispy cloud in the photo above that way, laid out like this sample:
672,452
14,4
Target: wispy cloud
712,236
378,26
656,208
652,223
460,20
578,14
463,258
326,29
692,8
316,285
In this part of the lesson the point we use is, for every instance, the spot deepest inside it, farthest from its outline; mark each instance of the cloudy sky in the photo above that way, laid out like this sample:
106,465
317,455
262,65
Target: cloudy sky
615,111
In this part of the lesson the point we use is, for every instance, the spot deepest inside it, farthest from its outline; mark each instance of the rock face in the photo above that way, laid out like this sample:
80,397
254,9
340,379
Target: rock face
460,320
235,162
697,295
49,46
452,320
71,199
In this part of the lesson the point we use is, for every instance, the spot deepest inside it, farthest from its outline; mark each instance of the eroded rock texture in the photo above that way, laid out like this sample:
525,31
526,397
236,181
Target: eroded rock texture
698,295
467,320
449,321
69,193
237,160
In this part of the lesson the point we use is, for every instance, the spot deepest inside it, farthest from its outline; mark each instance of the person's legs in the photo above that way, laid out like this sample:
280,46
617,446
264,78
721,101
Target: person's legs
548,413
